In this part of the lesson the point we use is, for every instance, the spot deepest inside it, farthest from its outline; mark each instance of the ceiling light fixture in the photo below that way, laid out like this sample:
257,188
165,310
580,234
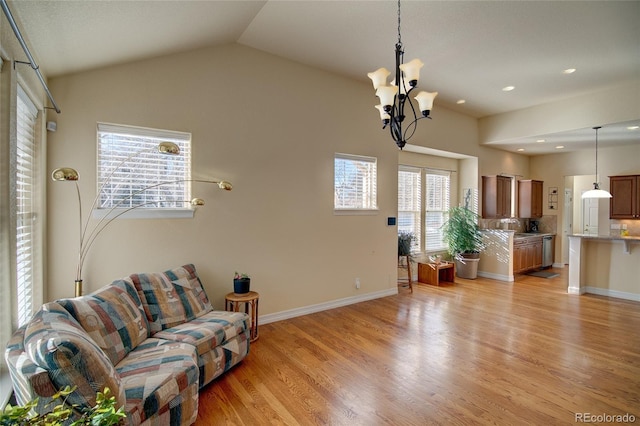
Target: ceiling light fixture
508,88
520,149
395,96
569,71
633,127
560,147
596,192
541,140
461,101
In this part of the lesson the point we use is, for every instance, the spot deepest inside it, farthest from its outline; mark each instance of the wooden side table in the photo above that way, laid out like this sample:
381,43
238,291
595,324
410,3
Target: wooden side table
232,302
434,274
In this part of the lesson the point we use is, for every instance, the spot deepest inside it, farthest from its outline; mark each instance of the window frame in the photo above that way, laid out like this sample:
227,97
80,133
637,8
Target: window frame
368,207
444,211
121,160
416,244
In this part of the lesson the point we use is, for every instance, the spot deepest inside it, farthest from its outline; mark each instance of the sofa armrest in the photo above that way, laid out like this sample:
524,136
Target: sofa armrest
55,342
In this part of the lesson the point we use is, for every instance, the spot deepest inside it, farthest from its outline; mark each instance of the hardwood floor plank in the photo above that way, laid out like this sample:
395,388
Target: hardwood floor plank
477,352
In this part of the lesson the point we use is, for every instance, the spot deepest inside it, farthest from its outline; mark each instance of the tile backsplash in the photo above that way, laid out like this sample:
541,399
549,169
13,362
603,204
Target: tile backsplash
616,227
547,224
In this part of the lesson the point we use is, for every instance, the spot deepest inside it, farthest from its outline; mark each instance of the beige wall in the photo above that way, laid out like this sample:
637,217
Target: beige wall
269,126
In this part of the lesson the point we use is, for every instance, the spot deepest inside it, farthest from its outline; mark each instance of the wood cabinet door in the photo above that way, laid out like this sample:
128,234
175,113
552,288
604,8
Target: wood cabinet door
537,254
518,256
625,194
496,197
530,198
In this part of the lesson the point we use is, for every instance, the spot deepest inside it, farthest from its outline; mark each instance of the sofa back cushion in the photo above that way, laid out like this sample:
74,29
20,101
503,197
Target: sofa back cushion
172,297
113,317
55,341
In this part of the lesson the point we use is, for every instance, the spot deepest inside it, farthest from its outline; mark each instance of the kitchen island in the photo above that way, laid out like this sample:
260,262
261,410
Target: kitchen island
508,253
604,265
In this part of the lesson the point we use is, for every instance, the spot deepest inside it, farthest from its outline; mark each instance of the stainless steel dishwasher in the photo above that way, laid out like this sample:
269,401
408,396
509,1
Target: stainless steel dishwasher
547,251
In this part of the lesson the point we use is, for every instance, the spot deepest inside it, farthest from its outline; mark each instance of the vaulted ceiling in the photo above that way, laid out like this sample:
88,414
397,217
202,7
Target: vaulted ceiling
471,49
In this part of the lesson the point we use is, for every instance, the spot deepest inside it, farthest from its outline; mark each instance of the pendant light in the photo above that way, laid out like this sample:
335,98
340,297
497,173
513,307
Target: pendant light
596,192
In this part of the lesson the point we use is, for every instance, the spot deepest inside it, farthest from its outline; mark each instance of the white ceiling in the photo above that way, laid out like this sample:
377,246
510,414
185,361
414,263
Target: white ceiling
471,49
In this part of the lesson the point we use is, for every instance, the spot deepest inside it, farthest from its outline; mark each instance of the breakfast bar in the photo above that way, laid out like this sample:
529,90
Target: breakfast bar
604,265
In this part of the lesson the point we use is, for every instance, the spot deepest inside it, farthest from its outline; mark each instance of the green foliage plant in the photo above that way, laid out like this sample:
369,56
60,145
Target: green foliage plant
404,243
461,232
104,413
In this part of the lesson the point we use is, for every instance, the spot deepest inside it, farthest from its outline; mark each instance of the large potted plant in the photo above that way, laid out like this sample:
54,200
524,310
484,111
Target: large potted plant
464,241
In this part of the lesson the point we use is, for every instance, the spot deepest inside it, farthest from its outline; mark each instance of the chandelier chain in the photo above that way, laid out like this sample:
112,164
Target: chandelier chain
399,35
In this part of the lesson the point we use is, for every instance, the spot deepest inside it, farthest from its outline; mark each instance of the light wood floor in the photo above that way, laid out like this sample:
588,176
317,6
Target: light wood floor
479,352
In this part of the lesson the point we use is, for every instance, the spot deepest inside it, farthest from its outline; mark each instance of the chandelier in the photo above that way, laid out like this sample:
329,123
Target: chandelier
395,97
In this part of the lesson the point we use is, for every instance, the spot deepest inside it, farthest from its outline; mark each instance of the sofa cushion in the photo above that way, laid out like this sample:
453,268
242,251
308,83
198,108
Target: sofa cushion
171,297
156,375
56,342
113,317
208,331
220,338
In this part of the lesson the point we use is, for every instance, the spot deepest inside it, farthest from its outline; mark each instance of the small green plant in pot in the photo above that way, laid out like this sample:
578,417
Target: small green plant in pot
405,239
241,283
464,240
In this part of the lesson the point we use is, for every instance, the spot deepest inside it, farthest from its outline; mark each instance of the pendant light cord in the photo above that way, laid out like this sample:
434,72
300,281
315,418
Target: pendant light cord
596,129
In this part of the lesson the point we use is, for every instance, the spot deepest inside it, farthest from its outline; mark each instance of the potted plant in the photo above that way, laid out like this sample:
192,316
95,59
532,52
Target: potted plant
464,241
241,283
404,243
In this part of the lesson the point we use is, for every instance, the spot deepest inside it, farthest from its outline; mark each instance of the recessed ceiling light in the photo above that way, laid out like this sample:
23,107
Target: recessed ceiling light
460,101
520,149
569,71
633,127
560,147
508,88
541,140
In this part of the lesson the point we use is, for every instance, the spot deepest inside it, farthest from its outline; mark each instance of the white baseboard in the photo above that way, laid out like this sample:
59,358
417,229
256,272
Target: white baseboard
613,293
305,310
499,277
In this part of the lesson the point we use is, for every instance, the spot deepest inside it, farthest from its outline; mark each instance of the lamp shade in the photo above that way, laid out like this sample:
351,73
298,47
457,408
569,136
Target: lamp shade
379,77
411,71
168,148
425,101
64,173
387,95
596,192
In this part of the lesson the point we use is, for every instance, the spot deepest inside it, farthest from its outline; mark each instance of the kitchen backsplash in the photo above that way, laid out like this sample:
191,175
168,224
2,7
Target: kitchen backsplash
546,224
617,227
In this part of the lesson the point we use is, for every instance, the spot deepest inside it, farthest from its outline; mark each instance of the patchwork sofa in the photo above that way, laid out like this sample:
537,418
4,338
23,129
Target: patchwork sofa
153,339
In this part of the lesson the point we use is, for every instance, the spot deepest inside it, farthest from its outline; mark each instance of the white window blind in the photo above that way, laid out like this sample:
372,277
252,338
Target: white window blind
133,174
409,203
437,188
26,206
355,182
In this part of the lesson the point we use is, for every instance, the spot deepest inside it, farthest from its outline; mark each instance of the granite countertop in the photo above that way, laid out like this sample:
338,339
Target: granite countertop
607,237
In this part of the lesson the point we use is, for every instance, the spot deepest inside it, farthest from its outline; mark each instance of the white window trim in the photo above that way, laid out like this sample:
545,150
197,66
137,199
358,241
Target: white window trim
357,211
187,212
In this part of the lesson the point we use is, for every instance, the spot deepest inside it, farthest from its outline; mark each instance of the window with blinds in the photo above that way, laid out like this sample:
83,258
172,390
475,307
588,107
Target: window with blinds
355,182
409,203
133,174
437,196
26,205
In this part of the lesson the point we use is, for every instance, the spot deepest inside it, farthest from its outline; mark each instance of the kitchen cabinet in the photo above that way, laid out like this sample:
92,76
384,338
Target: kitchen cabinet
530,198
625,197
496,197
527,254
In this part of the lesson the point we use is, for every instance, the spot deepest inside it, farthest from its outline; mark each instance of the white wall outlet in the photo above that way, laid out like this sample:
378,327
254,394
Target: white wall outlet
357,283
